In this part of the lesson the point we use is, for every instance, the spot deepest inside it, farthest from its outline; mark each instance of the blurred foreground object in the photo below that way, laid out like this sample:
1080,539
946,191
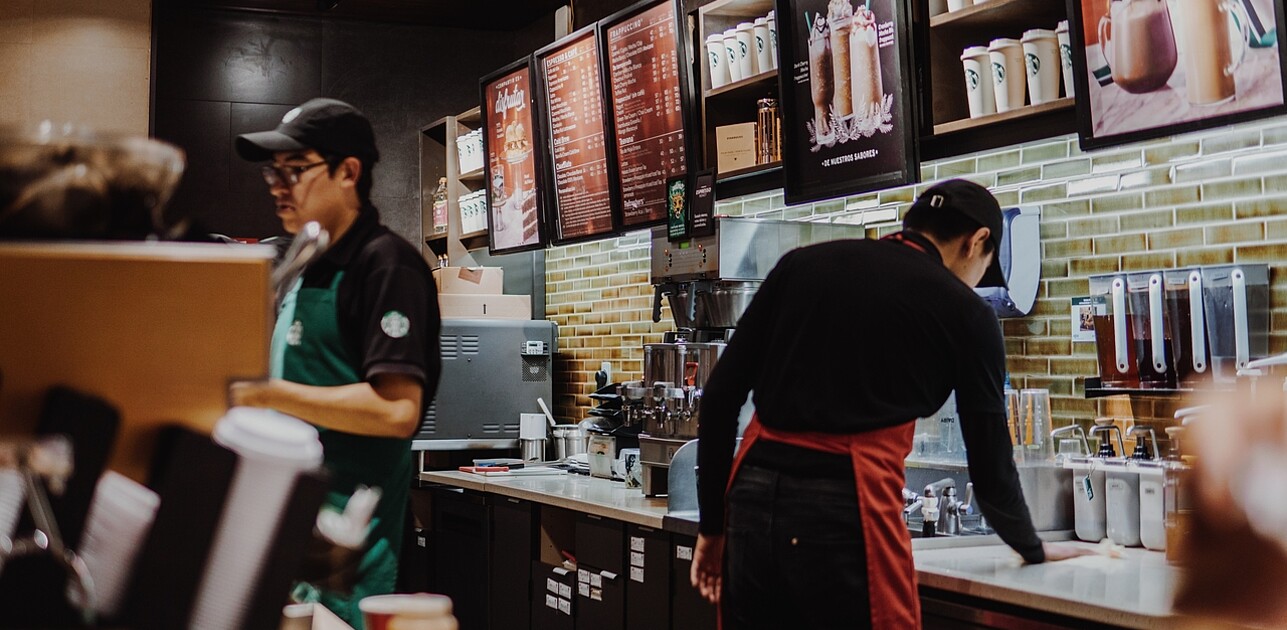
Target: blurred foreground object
1236,551
67,182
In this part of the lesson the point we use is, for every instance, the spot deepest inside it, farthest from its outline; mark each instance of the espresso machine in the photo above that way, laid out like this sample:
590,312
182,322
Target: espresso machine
708,282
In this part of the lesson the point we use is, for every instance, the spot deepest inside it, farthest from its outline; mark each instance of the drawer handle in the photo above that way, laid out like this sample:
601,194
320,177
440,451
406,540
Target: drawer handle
609,575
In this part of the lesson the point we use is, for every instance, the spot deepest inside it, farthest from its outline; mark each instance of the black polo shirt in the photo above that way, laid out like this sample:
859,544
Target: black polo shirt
387,303
855,335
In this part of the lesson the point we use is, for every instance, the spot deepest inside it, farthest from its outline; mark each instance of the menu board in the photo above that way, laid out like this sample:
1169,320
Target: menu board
580,176
647,106
847,123
510,140
1151,69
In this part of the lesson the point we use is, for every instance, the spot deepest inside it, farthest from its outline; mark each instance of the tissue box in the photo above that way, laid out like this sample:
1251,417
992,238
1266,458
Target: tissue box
735,147
470,280
468,306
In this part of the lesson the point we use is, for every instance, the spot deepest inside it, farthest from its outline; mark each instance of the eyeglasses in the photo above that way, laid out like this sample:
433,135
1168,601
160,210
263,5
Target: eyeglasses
287,175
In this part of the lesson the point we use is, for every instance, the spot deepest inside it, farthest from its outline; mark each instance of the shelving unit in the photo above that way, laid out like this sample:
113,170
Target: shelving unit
947,128
439,136
733,103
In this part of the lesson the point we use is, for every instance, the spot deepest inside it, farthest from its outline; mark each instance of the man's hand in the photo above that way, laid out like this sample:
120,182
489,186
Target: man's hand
248,393
708,566
1062,551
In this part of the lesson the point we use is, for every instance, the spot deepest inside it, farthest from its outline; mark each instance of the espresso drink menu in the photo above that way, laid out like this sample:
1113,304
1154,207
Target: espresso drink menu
647,109
582,204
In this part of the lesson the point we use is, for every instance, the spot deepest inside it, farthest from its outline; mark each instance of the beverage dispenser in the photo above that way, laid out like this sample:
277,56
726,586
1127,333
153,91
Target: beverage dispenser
1236,303
1187,322
1114,332
1151,330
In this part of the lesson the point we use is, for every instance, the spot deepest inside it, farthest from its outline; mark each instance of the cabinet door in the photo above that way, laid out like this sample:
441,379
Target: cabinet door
460,553
689,611
647,578
510,563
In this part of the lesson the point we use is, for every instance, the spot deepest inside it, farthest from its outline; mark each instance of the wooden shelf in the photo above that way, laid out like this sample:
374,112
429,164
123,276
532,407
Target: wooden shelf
747,181
762,78
738,8
748,171
475,234
1018,14
474,176
471,117
1014,114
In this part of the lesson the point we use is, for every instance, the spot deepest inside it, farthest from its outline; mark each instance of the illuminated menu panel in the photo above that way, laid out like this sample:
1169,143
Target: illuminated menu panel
512,201
647,109
574,102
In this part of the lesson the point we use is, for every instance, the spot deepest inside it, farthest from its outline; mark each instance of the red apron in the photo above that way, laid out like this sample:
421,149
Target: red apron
878,474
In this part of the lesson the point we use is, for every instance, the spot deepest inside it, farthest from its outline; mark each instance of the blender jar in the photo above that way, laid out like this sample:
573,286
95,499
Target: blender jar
1236,302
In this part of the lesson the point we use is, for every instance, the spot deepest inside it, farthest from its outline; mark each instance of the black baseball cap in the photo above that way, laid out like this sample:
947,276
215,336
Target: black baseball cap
975,202
322,124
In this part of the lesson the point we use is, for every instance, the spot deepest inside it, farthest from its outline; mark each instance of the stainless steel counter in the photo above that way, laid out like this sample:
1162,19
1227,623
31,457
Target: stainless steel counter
1133,591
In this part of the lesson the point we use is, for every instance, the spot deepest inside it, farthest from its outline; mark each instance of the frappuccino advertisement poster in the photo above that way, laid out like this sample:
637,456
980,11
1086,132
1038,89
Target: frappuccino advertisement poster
1151,68
846,120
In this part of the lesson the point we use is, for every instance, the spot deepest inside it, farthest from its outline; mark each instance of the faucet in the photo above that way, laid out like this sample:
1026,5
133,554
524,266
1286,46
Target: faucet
1074,429
951,511
930,503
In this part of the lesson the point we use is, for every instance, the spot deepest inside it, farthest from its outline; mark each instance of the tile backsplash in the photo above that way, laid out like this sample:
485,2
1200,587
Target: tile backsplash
1218,196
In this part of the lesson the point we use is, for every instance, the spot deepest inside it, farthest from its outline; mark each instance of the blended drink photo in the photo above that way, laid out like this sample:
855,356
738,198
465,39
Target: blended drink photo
821,78
1137,40
1209,62
864,57
840,16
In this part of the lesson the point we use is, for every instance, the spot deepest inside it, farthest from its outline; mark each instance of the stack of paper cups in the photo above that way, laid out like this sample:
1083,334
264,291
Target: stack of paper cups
119,520
746,49
978,81
957,5
730,47
273,449
1007,73
1065,57
13,497
1041,56
717,60
763,50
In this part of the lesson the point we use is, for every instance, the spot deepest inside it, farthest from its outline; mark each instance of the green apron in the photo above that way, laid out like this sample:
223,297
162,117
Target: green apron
307,349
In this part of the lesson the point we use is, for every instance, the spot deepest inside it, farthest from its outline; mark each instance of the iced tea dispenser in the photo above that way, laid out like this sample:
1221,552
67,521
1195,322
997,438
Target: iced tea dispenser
1152,335
1236,301
1114,332
1188,325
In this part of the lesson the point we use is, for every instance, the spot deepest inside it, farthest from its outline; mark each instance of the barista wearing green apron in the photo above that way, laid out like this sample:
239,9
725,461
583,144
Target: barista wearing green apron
355,349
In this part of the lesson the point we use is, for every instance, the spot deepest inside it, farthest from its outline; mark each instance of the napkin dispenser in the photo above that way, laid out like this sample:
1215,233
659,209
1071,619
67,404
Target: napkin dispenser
1020,256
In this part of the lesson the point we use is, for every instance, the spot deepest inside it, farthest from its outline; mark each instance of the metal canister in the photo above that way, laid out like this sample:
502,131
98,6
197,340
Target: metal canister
768,132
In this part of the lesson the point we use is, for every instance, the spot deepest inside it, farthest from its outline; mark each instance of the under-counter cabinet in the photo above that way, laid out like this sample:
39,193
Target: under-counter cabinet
647,578
509,562
688,610
459,551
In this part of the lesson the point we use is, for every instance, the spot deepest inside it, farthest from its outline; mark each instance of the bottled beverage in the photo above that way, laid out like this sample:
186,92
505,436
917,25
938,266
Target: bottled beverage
440,207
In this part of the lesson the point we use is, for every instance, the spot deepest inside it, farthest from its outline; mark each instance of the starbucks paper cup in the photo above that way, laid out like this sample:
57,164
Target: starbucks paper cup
978,81
1065,57
1041,59
731,50
717,60
1008,72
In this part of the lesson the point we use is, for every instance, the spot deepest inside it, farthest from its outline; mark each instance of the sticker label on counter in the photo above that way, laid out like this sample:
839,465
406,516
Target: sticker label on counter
596,580
582,575
683,553
565,591
565,606
552,601
583,590
551,585
637,574
636,559
596,594
636,543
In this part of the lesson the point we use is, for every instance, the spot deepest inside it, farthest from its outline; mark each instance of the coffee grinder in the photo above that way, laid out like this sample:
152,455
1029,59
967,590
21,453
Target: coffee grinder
708,282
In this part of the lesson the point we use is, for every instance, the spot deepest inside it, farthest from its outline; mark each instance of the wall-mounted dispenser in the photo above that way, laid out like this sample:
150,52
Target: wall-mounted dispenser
1020,257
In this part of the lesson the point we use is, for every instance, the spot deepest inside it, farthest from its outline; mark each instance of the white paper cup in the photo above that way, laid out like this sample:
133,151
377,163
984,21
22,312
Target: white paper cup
731,52
1065,57
773,37
763,49
957,5
119,520
1041,59
716,61
746,49
937,7
1008,73
978,81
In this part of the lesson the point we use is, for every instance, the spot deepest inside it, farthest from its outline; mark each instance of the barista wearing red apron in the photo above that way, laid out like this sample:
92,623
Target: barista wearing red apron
355,350
844,345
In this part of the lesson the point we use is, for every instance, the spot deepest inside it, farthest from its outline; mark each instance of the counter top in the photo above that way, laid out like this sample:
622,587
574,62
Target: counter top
601,497
1134,591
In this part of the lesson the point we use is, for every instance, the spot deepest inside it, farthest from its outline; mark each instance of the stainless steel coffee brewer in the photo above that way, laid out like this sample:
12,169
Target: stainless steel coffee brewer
708,282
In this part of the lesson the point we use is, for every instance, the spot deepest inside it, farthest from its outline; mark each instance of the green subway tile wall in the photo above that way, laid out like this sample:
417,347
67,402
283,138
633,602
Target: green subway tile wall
1206,198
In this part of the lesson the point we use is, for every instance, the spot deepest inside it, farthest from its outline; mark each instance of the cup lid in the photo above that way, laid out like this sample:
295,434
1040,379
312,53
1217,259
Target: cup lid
1037,33
1062,26
771,14
974,51
732,32
264,434
760,21
715,37
1002,43
745,25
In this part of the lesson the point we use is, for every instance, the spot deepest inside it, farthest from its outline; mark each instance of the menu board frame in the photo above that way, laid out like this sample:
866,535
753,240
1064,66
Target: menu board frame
800,156
536,133
1086,118
686,98
547,139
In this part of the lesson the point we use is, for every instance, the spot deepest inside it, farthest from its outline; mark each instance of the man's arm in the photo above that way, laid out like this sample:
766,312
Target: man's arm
386,406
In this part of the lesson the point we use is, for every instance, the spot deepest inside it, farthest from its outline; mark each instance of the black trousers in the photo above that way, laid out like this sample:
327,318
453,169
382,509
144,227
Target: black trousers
794,554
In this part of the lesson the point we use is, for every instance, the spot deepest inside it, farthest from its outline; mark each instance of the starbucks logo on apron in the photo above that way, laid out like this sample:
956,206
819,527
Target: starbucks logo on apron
395,324
295,334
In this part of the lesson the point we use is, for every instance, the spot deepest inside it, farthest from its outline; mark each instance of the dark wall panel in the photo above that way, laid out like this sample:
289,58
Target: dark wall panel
254,68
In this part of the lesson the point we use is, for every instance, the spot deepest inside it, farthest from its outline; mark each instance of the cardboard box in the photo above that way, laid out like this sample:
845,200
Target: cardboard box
735,147
471,280
469,306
